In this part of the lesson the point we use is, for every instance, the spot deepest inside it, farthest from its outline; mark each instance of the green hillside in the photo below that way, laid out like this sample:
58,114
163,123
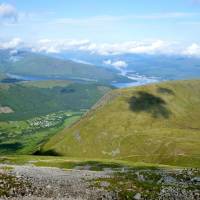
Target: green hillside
31,112
32,99
154,124
43,66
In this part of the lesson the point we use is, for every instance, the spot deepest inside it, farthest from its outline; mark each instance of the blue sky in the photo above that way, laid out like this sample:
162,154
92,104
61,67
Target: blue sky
110,21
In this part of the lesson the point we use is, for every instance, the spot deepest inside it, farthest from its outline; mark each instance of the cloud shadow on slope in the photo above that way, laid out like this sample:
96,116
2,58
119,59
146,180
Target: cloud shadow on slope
146,102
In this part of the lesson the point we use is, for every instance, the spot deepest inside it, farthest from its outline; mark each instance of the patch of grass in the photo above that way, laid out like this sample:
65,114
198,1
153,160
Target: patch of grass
6,168
83,163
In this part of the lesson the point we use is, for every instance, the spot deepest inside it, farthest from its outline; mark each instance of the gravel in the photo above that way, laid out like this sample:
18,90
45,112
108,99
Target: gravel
53,183
29,182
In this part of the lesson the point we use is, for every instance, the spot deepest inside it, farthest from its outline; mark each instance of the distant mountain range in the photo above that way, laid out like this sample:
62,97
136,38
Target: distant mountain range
110,69
24,63
167,67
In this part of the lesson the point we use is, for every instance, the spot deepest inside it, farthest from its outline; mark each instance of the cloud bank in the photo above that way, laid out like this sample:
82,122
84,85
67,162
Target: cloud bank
12,44
56,46
129,47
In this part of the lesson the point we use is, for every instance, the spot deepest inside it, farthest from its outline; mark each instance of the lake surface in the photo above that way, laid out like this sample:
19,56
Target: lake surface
27,78
137,79
133,84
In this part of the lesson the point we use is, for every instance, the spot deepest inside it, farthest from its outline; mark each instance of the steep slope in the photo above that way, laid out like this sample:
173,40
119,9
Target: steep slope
156,123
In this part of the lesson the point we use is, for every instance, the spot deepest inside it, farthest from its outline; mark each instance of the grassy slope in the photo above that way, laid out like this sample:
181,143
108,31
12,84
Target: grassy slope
40,98
154,124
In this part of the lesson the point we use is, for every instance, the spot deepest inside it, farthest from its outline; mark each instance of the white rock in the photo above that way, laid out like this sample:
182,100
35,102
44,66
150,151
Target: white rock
137,196
48,187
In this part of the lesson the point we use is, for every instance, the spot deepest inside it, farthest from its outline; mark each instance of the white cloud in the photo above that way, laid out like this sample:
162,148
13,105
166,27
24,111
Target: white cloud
117,64
56,46
126,47
105,49
107,62
132,47
12,44
192,50
8,12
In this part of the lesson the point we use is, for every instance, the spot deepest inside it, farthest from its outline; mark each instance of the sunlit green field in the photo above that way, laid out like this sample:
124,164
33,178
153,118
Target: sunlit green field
26,137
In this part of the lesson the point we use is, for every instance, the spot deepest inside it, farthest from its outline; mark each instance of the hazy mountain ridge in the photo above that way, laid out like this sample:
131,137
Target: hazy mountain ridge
163,66
43,66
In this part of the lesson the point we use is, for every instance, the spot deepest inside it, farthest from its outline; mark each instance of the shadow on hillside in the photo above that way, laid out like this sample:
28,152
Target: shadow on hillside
50,152
146,102
67,90
10,147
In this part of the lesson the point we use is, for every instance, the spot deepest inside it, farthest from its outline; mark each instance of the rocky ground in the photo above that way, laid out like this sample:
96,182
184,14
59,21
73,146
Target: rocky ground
35,183
43,183
156,184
